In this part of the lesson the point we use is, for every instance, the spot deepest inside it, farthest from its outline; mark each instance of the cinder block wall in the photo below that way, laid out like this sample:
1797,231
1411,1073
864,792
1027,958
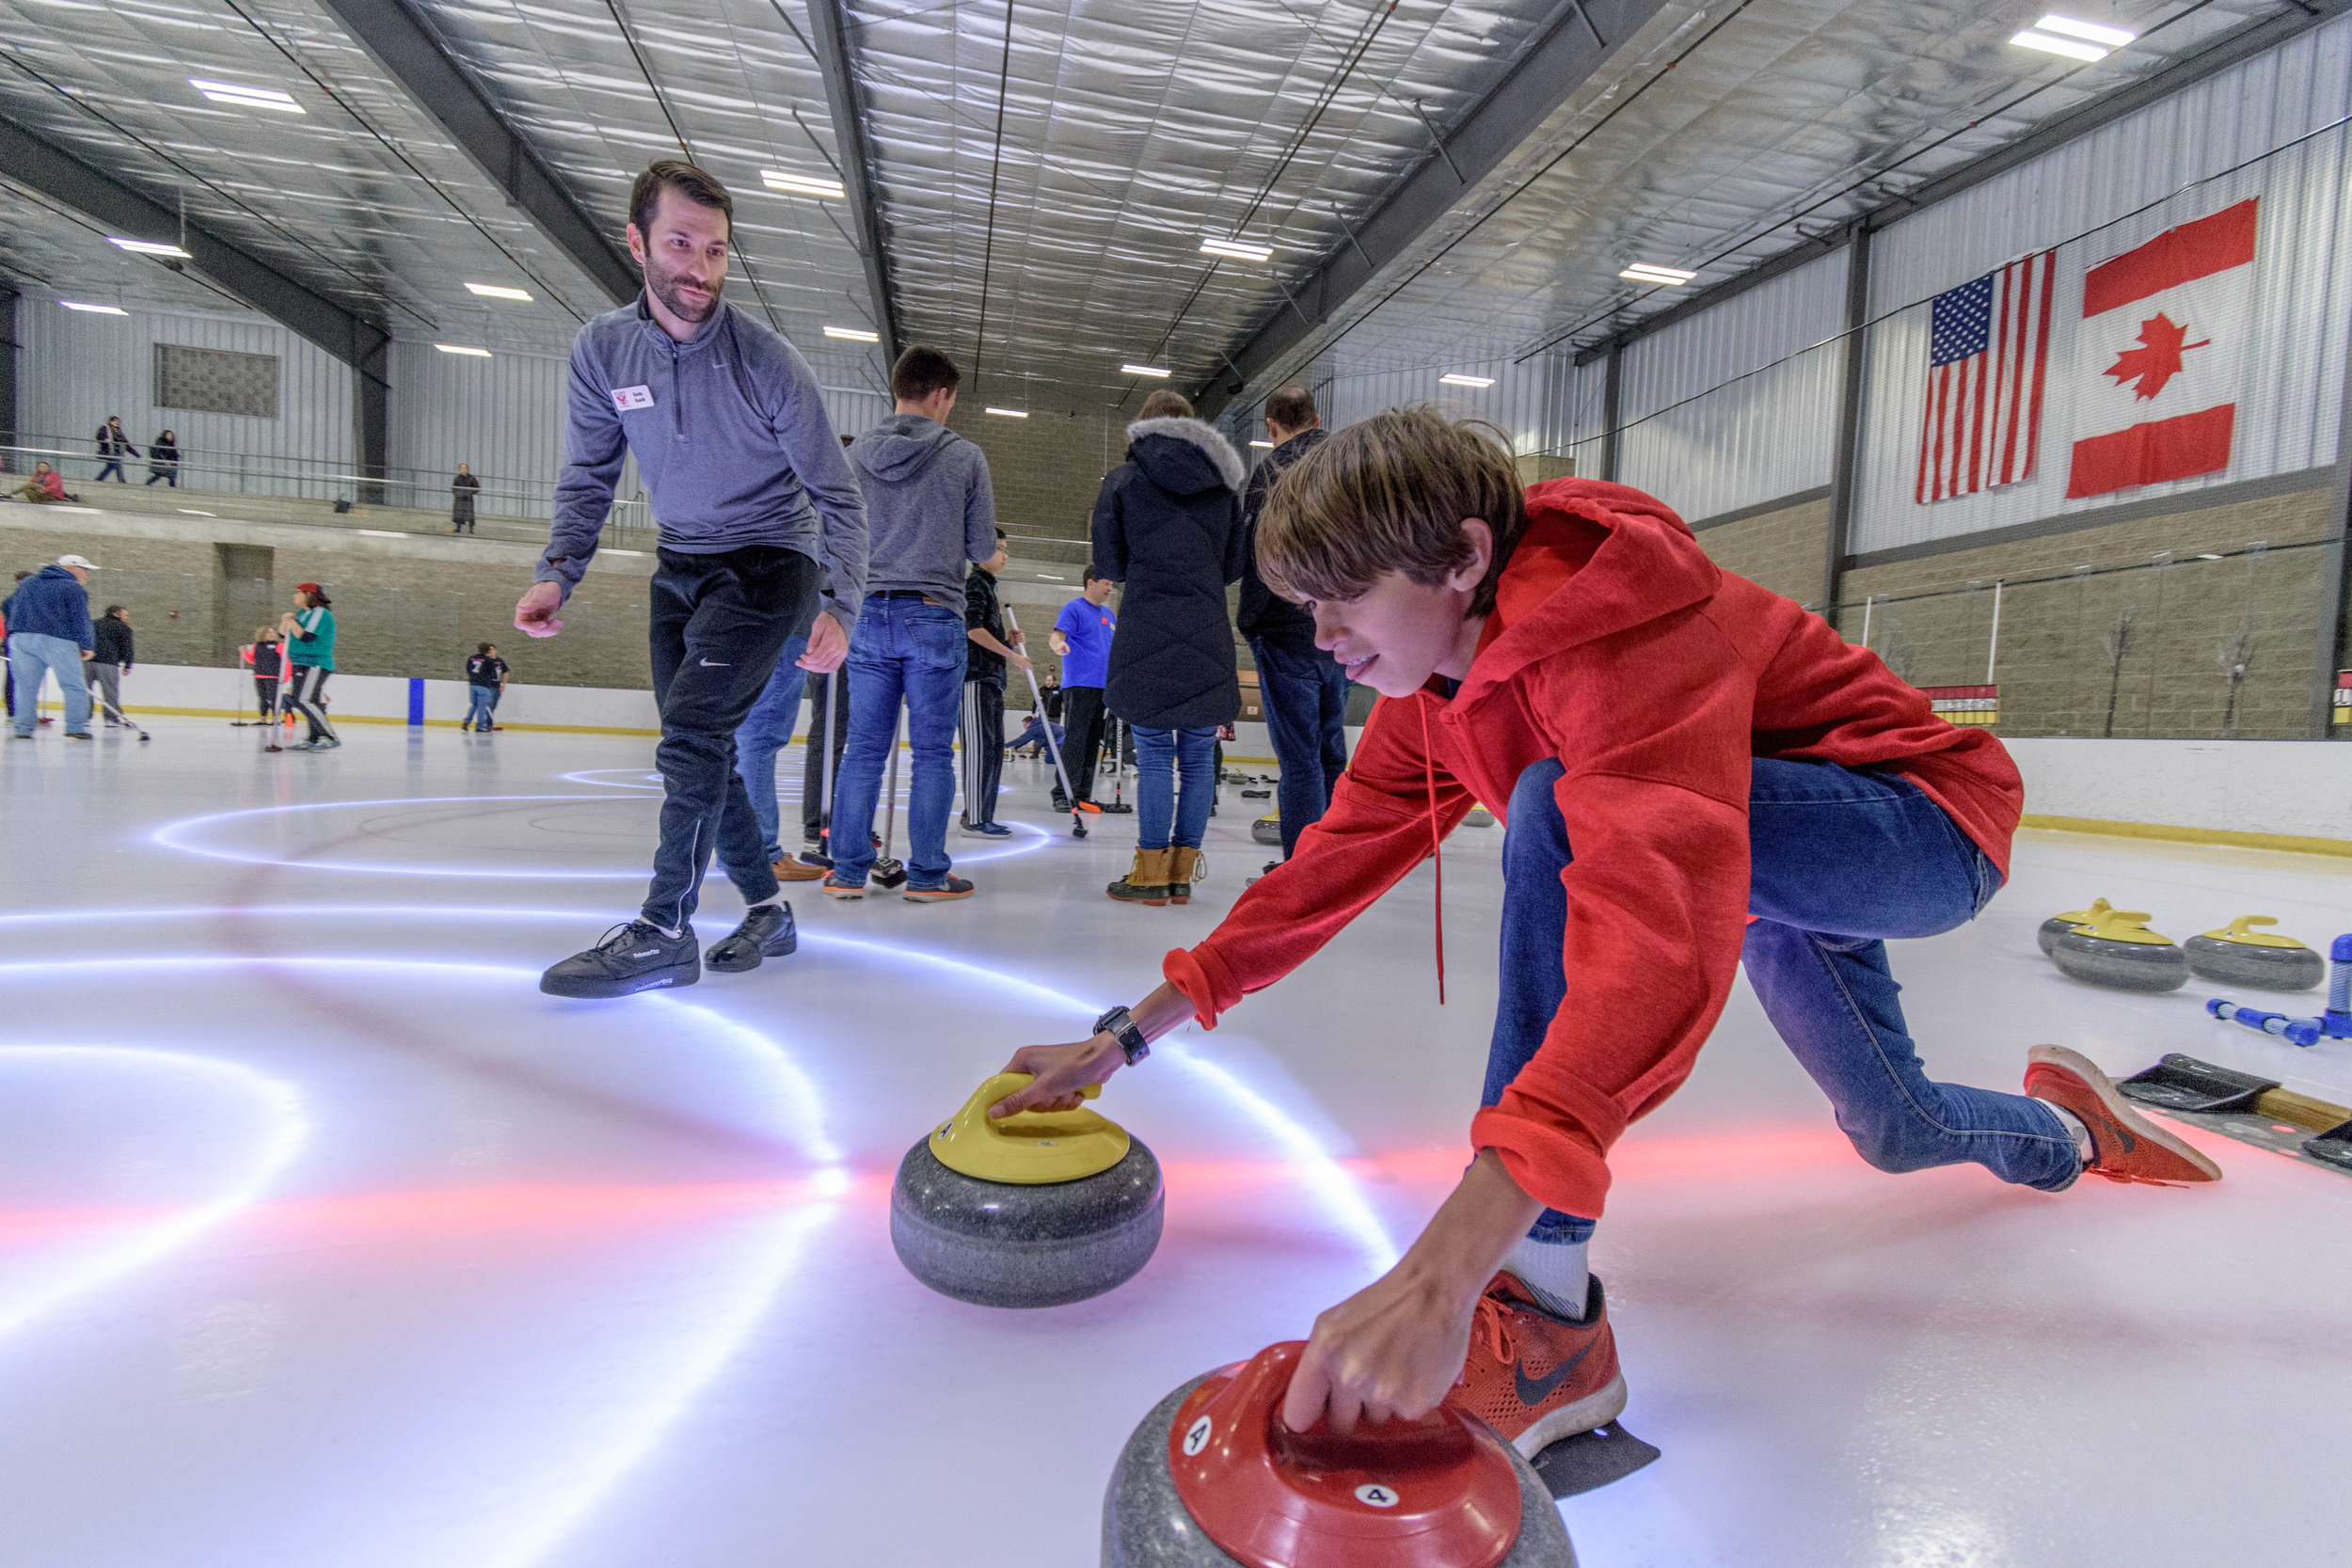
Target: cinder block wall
1047,469
1784,550
2186,621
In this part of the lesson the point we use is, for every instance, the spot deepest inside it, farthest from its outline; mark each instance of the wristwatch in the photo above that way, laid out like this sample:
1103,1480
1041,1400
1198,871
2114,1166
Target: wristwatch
1122,1027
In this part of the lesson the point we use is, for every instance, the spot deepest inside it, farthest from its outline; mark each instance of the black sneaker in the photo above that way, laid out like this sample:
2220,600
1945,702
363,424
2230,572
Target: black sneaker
767,932
630,959
954,887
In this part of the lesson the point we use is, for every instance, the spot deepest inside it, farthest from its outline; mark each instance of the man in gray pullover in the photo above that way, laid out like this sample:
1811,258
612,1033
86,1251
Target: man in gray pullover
760,520
928,494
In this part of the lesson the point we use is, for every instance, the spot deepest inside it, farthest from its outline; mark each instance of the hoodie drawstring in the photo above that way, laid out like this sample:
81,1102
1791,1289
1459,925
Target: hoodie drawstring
1437,849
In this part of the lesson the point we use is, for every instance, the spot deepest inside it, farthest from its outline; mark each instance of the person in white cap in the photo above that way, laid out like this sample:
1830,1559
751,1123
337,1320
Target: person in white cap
49,630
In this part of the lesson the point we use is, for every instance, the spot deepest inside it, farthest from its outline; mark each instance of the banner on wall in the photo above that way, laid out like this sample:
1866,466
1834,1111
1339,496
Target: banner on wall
2162,355
1988,352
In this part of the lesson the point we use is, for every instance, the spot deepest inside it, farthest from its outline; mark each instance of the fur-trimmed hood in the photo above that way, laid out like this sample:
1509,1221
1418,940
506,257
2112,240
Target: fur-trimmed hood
1183,456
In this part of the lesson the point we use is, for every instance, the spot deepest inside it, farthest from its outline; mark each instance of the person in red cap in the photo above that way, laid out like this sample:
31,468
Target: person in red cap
308,629
1692,771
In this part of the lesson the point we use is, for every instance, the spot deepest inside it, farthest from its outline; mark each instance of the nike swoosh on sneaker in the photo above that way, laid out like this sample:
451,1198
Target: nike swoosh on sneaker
1533,1391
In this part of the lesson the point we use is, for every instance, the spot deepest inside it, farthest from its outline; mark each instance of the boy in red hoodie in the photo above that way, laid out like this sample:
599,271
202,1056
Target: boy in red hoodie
1674,751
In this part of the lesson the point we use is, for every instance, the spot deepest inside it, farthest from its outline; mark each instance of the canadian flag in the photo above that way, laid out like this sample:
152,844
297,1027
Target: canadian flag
2162,344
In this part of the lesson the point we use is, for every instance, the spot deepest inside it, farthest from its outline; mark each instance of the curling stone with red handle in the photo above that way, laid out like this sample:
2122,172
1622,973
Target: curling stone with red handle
1213,1479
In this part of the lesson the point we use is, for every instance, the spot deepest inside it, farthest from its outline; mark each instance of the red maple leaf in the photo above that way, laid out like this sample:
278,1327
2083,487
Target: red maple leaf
2158,358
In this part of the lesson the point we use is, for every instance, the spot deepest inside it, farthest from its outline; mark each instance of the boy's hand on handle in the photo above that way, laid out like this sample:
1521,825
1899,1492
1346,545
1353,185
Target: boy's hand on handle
1392,1349
535,611
1058,1073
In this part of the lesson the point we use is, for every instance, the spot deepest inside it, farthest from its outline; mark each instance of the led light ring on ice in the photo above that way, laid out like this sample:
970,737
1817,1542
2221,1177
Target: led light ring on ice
1331,1182
788,793
286,1130
576,1489
178,835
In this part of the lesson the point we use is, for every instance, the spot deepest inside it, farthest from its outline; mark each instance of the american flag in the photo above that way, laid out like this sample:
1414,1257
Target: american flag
1989,344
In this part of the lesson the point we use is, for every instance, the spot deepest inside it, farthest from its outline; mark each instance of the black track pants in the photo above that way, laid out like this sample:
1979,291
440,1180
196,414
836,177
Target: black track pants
306,696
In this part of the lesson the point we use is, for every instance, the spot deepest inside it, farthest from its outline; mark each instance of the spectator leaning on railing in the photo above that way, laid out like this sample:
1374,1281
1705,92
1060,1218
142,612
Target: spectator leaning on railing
163,459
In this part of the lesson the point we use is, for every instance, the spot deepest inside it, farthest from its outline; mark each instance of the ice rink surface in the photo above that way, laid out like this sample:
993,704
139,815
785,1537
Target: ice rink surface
327,1240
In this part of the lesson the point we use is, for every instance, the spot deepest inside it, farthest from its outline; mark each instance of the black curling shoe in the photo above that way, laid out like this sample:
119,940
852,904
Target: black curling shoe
630,959
767,932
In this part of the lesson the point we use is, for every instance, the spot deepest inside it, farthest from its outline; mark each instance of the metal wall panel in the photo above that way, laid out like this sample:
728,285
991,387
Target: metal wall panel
2291,401
77,367
1523,402
1738,405
502,417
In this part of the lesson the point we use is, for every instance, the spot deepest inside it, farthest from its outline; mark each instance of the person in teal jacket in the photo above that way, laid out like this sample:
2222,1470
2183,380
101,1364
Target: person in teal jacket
310,632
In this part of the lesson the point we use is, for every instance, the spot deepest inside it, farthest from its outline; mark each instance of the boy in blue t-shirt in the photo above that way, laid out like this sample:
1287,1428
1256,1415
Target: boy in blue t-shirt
1082,639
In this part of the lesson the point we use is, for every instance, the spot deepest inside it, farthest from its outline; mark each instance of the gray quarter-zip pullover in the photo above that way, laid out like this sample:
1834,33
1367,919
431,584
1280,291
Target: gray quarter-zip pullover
731,436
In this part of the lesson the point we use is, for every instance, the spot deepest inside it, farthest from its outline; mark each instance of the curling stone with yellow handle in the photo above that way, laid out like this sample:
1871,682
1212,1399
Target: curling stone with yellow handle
2237,955
1037,1209
2058,925
2117,949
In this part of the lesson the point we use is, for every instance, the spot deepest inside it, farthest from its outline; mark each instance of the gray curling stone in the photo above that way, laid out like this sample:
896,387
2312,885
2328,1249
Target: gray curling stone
2117,950
2237,955
2058,925
1268,828
1146,1524
1042,1238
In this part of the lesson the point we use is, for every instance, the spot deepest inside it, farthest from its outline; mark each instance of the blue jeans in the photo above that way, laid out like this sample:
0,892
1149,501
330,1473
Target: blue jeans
903,650
1838,861
1306,717
767,730
1161,756
31,653
484,699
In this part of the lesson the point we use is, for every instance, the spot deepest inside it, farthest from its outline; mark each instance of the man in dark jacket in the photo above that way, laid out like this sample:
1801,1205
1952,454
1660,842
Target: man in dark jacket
110,659
114,445
930,510
984,695
49,632
1168,527
462,491
1304,688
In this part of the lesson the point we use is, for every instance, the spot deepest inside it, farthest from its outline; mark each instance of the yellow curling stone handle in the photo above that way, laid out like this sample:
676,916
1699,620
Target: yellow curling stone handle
2090,915
2124,925
2241,931
1033,1148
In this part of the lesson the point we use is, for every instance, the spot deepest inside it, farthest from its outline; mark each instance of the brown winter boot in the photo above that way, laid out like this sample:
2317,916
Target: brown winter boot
1181,864
1147,884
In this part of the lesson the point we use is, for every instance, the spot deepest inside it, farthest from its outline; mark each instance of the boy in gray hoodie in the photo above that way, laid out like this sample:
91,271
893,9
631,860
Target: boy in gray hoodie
931,511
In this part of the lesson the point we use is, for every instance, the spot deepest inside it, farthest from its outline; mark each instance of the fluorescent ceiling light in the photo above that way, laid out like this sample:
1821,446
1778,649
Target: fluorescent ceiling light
499,290
458,348
853,334
1239,251
2049,44
801,185
147,248
380,532
194,513
1455,378
1152,371
247,98
1268,445
1649,272
94,309
2090,32
1011,413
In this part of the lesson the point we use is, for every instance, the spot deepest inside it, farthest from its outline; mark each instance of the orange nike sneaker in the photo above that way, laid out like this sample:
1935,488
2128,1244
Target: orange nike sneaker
2125,1145
1537,1378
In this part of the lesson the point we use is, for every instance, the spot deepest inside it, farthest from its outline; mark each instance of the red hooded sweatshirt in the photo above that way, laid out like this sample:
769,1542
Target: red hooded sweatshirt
1653,677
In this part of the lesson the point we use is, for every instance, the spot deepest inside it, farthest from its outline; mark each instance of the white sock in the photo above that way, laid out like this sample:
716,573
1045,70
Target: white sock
2084,1144
666,931
1553,1271
772,898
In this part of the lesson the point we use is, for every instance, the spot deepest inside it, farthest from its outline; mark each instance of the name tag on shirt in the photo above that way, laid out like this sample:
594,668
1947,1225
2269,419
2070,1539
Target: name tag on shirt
627,398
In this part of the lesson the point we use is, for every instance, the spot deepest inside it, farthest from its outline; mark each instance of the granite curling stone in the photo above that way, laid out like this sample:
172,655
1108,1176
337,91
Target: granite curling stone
1038,1210
1213,1479
1479,817
2118,950
2237,955
1268,828
2058,925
